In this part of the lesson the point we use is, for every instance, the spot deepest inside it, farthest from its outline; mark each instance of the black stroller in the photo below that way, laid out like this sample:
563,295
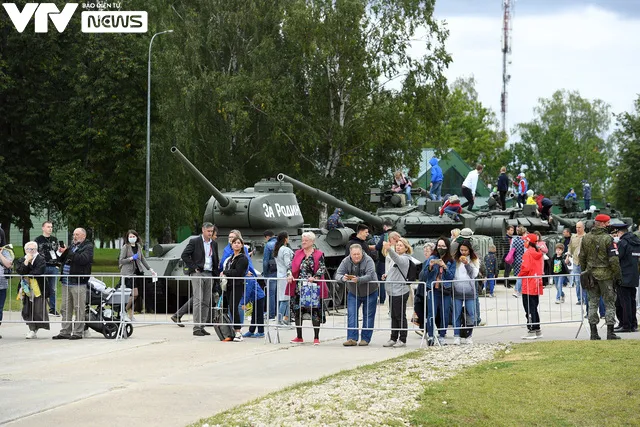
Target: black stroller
104,306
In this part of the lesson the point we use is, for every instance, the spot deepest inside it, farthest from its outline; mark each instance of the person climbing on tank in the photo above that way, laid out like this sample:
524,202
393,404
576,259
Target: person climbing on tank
402,184
452,207
334,220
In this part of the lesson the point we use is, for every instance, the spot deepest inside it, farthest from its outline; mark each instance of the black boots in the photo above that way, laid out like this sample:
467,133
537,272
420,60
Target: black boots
610,334
594,332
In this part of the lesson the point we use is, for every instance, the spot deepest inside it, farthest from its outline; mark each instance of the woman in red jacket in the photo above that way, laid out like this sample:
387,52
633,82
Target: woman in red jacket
532,287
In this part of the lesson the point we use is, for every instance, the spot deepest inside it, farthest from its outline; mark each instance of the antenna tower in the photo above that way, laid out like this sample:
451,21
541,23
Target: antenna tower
507,11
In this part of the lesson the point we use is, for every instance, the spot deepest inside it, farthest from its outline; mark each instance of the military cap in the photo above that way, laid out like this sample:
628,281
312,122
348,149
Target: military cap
603,218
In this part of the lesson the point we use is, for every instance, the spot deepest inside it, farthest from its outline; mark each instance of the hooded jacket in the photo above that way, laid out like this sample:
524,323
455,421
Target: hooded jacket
629,255
365,272
503,182
355,240
531,266
436,171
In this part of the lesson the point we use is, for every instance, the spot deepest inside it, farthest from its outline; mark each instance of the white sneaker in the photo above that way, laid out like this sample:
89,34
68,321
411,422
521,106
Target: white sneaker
538,334
238,337
400,344
456,340
531,335
469,341
389,343
86,334
442,341
31,335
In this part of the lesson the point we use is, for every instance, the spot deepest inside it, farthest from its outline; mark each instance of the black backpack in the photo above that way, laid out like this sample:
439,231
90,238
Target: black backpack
412,274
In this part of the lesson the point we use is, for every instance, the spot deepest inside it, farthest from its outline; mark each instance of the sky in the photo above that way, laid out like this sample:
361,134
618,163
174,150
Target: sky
592,46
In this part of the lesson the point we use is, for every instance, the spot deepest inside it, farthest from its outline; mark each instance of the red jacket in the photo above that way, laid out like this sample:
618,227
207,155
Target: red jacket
532,265
455,205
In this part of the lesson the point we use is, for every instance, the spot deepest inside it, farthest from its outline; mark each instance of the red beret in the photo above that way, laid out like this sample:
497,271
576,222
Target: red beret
531,238
603,218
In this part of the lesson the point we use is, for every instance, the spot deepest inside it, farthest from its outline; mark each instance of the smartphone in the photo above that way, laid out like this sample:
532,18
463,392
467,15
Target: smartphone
61,243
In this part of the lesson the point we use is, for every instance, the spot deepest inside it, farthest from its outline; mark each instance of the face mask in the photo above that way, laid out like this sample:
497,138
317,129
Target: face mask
616,239
442,252
132,240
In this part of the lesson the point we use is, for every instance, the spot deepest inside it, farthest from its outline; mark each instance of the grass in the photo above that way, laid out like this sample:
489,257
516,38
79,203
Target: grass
542,383
105,261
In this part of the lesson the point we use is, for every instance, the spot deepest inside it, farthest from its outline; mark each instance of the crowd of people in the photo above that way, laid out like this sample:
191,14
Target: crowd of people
296,281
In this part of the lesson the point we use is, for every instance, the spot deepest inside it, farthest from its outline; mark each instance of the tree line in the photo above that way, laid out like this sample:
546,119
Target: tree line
328,92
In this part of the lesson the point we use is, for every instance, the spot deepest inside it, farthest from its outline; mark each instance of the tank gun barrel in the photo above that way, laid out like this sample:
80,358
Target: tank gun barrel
227,204
329,199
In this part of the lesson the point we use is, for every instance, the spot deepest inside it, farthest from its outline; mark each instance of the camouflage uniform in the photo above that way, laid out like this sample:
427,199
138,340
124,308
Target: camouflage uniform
599,255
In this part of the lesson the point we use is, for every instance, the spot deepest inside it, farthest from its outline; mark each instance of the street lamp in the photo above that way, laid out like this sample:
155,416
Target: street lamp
148,195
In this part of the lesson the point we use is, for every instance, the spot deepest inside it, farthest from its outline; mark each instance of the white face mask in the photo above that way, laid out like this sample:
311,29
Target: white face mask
132,240
616,239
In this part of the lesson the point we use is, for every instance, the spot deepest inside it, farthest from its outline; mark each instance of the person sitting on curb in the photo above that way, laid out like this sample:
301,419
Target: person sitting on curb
357,271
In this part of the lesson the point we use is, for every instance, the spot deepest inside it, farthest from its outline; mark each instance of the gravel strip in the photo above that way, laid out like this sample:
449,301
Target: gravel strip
365,397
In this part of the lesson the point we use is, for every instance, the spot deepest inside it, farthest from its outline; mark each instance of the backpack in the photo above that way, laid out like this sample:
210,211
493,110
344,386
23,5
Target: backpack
221,317
412,273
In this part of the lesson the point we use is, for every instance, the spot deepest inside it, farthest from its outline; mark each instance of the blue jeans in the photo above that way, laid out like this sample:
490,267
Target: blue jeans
3,297
519,286
407,191
470,306
581,294
490,284
369,304
559,282
442,310
478,319
50,283
436,191
283,311
272,285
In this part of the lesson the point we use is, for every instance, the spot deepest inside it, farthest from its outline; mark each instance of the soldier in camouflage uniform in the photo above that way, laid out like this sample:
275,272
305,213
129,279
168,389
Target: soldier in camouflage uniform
599,255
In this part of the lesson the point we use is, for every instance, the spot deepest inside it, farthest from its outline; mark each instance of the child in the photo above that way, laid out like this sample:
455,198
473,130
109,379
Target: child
532,288
254,293
491,264
559,272
452,206
530,199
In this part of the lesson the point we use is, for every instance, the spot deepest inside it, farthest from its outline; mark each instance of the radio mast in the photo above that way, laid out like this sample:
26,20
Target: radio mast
506,55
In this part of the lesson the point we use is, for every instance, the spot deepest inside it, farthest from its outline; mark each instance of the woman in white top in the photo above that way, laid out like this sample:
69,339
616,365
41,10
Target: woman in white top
283,255
398,290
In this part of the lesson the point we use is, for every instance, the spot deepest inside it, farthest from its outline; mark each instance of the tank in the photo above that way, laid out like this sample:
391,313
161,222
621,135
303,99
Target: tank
419,223
269,204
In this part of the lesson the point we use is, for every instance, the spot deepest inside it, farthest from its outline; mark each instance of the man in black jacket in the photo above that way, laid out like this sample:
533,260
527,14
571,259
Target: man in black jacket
76,262
201,258
628,246
48,248
360,238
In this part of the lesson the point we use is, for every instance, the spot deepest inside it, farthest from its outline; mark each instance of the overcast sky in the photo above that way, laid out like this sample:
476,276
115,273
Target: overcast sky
592,46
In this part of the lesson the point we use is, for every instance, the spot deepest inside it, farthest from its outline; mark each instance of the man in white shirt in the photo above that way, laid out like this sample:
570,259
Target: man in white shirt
469,186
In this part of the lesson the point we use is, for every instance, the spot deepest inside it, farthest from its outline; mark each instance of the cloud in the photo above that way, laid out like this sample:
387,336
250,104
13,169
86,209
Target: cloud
589,49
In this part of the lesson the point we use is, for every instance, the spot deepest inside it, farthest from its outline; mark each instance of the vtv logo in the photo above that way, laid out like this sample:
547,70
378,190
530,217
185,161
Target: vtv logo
43,12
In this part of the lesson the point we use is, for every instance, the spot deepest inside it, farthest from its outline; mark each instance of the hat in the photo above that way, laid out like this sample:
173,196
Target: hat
466,232
454,199
531,238
521,175
529,193
603,218
619,226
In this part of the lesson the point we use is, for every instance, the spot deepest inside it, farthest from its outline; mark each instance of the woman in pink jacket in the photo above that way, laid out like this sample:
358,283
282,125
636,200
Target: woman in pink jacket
532,287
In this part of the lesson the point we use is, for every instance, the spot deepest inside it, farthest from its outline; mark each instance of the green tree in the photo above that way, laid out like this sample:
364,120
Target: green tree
470,129
626,171
564,144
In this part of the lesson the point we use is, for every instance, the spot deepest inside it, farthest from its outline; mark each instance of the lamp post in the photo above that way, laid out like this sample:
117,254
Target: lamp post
148,195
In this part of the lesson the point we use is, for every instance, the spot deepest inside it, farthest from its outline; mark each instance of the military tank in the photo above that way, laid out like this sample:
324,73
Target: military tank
411,221
571,215
269,204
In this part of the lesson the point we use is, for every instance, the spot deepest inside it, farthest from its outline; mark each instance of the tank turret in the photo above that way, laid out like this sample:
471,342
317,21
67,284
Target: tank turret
373,220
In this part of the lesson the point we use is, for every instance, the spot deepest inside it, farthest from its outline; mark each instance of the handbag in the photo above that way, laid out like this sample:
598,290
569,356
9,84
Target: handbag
510,256
309,295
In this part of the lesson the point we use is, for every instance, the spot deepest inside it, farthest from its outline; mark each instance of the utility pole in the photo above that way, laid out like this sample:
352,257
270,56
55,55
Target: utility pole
506,55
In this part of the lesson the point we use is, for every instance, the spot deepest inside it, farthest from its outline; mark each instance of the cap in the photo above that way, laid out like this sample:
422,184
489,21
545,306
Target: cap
466,232
531,238
603,218
619,226
521,174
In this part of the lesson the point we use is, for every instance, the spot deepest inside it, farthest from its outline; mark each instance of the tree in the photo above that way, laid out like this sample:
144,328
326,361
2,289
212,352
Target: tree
470,129
626,171
564,144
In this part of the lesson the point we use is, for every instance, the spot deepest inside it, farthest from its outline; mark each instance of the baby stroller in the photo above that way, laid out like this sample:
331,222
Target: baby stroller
104,306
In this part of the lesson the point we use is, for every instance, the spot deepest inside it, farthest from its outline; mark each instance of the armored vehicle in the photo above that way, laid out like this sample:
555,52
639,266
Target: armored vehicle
269,204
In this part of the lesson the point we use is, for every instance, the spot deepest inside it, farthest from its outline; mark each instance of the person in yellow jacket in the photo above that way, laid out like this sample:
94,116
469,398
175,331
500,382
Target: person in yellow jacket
530,199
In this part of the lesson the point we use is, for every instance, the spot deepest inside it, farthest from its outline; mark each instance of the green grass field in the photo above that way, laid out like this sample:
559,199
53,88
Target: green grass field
105,261
561,383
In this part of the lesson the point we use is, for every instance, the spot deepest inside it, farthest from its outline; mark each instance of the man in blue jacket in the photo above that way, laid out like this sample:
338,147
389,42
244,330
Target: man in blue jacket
435,187
270,270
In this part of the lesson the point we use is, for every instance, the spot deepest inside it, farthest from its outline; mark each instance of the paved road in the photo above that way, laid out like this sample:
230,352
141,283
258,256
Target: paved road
163,376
